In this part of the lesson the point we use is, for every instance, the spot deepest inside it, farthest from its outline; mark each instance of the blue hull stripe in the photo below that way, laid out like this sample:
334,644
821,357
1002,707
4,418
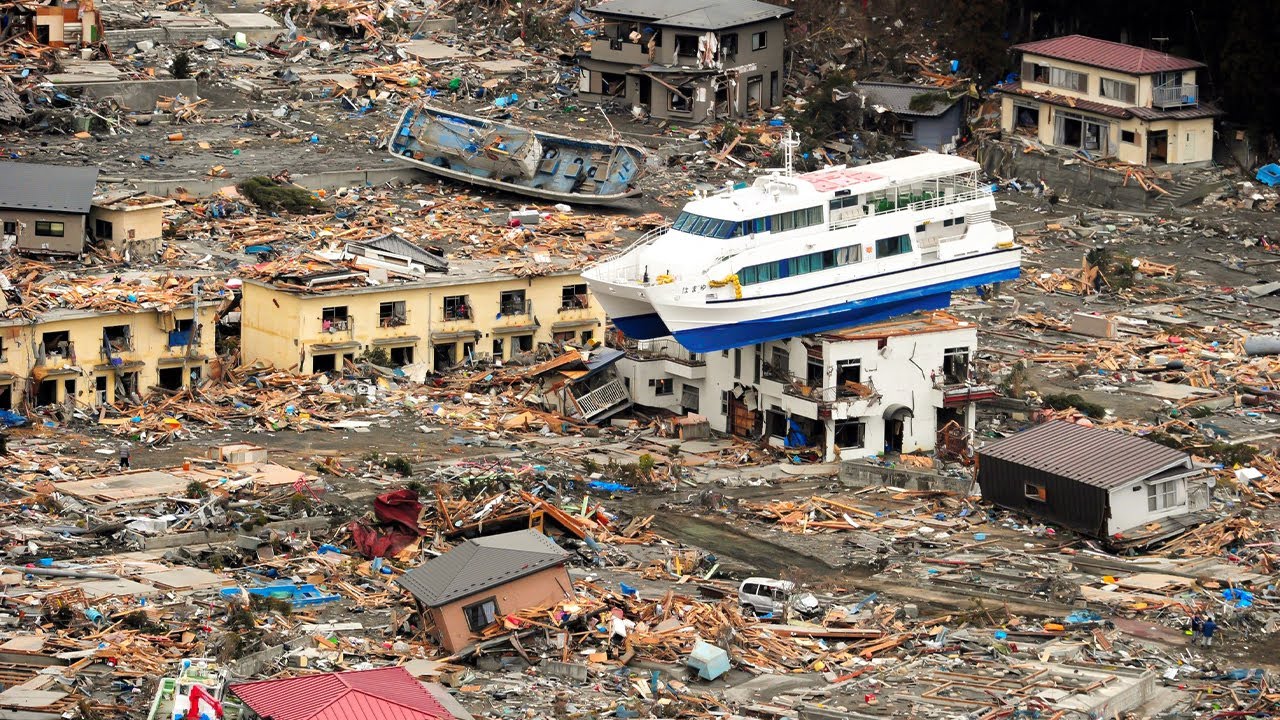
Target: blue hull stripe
833,317
642,327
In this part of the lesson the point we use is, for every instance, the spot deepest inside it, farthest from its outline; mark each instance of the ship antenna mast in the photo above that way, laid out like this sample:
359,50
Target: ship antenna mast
789,145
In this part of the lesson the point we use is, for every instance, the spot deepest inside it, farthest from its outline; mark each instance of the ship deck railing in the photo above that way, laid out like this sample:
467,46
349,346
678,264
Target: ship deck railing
886,206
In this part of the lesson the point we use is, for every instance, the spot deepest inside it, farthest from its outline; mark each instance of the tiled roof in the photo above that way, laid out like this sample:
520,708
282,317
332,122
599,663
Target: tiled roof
1190,112
1074,103
1109,55
1100,458
897,97
479,564
382,694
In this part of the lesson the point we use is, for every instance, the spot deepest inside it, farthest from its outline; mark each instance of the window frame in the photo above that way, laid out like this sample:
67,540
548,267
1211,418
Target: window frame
468,609
51,228
456,307
759,40
505,301
663,387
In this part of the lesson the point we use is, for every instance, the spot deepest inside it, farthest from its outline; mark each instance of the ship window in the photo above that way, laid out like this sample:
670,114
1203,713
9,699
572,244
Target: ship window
844,202
888,247
708,227
764,272
796,219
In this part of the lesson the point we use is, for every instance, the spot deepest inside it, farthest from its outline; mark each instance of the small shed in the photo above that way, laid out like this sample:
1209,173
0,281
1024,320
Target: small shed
1097,482
471,587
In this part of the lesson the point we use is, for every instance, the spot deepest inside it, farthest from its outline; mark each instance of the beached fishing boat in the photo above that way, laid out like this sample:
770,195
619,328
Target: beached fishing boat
792,255
505,157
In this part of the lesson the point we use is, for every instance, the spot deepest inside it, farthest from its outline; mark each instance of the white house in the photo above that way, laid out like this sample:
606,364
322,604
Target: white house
849,394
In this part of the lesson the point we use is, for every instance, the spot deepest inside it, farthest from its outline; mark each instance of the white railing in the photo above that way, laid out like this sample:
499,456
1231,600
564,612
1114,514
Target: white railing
1175,95
939,201
611,394
666,348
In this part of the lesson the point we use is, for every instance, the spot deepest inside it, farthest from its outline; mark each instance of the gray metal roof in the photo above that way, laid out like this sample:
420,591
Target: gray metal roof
696,14
393,243
480,564
56,188
1100,458
897,97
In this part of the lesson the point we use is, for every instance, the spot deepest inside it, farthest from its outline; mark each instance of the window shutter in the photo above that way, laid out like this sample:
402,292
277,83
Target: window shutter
1082,82
1028,72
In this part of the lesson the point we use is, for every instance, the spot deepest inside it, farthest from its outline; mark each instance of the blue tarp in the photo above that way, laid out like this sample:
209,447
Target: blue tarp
9,418
795,437
1239,598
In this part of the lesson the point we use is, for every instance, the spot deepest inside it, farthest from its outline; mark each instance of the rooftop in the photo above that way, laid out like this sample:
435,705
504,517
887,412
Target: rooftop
381,694
127,200
911,325
1100,458
697,14
1108,55
897,98
53,188
479,564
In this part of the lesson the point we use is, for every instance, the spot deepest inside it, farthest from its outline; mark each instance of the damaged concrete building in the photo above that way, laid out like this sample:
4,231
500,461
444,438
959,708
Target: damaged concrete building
886,387
687,61
1110,100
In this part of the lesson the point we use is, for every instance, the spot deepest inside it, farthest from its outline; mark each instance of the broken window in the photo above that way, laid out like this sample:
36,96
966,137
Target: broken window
481,615
573,297
499,351
392,314
182,333
127,385
116,338
171,378
1129,136
678,100
57,343
848,371
955,364
1076,131
401,356
10,228
663,386
333,319
512,302
45,228
524,343
456,308
444,356
851,433
587,335
729,45
1118,90
1026,116
689,397
102,229
1162,496
907,129
813,373
779,363
613,84
760,40
324,363
6,397
686,47
1034,491
566,336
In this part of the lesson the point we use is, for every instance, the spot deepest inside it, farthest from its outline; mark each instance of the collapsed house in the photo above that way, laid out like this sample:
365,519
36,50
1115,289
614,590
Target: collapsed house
885,387
685,59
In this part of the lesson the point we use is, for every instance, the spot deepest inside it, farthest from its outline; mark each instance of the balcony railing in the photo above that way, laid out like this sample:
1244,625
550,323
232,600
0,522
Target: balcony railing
1167,96
609,395
662,348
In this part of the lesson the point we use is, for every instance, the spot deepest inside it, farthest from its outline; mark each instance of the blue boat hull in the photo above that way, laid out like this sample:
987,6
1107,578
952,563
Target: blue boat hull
642,327
834,317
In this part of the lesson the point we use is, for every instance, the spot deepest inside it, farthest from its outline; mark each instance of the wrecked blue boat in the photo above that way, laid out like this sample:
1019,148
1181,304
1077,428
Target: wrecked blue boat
505,157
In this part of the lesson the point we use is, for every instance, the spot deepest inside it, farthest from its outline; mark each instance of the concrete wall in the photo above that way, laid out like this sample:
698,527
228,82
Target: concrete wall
86,364
71,242
136,231
140,95
282,327
544,587
1082,182
330,180
860,474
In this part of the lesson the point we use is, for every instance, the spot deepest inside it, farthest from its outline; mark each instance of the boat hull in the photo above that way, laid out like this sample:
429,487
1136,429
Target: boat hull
628,308
708,327
560,164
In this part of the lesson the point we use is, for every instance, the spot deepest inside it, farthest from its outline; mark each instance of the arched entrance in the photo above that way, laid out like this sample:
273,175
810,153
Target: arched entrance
895,419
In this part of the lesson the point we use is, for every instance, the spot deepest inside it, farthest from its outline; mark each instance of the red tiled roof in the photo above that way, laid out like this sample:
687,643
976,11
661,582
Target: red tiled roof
382,694
1108,55
1074,103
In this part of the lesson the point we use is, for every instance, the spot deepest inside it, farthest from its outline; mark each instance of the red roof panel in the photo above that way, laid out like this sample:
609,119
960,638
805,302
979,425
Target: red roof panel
382,694
1108,55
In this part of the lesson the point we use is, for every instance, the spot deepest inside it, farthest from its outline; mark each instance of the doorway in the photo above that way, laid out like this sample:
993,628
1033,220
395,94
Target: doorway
1158,146
47,393
324,363
755,91
171,378
646,91
895,426
442,355
100,389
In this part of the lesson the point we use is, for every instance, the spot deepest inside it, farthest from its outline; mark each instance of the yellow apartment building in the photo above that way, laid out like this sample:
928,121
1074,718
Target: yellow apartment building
312,322
88,358
1110,100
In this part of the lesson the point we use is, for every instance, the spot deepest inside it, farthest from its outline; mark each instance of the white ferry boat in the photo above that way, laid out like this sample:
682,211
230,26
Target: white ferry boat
797,254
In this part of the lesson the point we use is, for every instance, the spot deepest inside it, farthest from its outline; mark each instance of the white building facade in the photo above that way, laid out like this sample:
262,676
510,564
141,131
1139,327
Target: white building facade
854,393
